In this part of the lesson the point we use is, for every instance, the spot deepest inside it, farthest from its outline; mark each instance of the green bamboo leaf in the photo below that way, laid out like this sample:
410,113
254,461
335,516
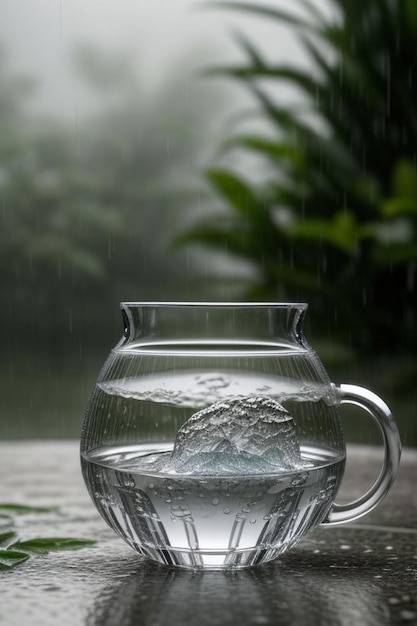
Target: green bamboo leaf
395,207
347,70
21,509
46,544
329,165
252,52
237,193
342,231
282,117
287,120
262,70
7,538
310,153
320,17
404,186
405,180
238,72
11,558
276,150
264,11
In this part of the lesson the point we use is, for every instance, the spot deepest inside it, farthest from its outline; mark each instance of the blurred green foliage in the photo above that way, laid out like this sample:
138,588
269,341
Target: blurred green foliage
332,220
88,206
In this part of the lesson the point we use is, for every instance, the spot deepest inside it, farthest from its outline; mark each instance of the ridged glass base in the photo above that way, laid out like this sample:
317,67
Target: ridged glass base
211,560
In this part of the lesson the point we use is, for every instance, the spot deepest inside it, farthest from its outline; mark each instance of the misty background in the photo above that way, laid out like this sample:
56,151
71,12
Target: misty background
107,123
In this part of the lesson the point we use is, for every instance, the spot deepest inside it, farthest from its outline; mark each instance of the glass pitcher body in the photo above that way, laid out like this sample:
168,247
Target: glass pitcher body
213,439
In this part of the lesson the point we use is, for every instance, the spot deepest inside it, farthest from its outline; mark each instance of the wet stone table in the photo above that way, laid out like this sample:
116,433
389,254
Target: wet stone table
364,573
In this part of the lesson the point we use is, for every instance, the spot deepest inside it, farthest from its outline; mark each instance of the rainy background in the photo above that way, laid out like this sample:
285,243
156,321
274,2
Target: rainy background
161,150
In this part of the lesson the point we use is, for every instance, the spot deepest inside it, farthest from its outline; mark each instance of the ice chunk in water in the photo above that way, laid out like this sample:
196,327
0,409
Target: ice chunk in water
243,434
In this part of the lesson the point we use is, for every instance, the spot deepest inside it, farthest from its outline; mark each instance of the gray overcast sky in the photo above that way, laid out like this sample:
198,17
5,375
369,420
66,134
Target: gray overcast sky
39,36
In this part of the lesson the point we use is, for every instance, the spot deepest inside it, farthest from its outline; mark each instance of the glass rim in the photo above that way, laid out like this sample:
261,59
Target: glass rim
195,304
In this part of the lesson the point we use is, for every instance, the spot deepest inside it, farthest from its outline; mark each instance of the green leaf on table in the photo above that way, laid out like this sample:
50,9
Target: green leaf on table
7,538
11,558
10,508
46,544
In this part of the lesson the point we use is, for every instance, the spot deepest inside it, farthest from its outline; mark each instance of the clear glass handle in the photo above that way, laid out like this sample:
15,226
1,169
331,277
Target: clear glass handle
379,411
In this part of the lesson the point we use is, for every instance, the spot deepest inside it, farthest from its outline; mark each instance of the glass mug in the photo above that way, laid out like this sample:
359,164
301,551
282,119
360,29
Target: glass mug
212,439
